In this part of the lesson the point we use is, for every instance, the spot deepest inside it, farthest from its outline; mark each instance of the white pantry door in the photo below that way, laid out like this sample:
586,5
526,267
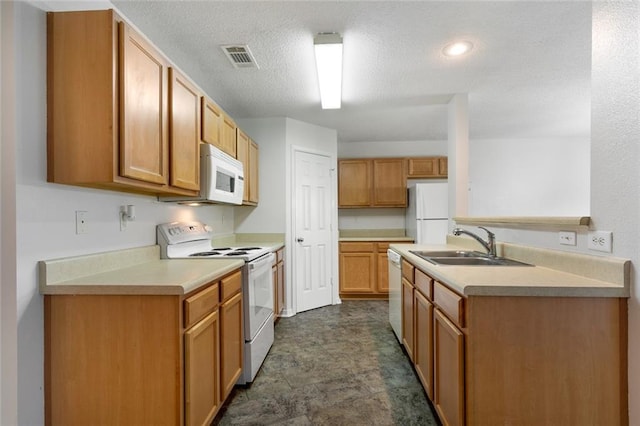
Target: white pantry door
312,230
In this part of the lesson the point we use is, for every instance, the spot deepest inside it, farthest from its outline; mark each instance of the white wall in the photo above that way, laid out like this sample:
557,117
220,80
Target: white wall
383,218
45,223
268,216
527,177
615,155
392,149
8,316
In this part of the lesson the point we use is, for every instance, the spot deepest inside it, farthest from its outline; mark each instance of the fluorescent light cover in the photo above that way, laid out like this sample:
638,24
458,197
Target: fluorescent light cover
328,47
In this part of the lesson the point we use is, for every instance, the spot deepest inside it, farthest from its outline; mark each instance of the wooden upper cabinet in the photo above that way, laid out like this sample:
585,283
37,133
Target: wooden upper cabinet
427,167
253,172
443,166
389,182
379,182
211,123
185,132
354,183
242,154
108,108
143,110
228,135
247,154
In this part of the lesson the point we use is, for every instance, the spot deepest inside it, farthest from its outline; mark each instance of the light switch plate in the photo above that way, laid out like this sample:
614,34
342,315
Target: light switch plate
600,241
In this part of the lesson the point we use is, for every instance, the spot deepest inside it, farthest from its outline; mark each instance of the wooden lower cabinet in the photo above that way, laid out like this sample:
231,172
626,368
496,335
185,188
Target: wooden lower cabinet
202,370
142,359
408,336
364,270
423,345
448,395
231,342
522,360
278,283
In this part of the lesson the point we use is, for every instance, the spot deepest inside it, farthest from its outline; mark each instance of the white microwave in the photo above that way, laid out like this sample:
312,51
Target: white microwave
221,179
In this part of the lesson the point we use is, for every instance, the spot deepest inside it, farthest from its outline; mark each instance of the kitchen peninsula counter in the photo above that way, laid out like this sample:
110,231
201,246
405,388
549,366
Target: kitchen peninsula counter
364,235
137,271
553,273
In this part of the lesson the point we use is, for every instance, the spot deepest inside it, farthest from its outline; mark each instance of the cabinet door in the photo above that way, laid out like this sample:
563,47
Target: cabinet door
281,281
242,154
143,109
274,274
228,135
253,172
389,183
202,371
354,183
231,342
357,272
184,114
422,167
443,166
407,318
448,370
383,273
211,123
423,353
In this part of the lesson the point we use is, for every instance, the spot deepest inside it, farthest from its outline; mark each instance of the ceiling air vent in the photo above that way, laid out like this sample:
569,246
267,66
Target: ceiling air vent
240,56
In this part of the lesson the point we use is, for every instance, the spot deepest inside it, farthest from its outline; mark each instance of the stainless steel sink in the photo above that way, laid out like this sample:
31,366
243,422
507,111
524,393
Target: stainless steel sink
465,258
447,253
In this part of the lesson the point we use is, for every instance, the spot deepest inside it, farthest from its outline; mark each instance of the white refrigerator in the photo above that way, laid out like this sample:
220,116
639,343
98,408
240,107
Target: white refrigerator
427,215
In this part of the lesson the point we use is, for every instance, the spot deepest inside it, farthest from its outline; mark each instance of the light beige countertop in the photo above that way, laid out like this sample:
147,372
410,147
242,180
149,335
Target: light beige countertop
131,271
373,235
554,274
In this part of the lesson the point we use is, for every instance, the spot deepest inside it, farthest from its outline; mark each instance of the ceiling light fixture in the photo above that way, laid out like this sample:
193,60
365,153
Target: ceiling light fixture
458,48
328,48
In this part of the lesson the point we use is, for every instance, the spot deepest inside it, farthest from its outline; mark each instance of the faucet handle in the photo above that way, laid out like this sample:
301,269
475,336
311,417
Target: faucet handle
489,233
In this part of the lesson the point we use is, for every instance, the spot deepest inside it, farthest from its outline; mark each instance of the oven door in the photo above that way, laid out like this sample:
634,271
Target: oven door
258,294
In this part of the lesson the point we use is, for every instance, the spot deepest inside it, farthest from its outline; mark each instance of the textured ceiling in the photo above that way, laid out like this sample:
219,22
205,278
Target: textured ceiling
528,76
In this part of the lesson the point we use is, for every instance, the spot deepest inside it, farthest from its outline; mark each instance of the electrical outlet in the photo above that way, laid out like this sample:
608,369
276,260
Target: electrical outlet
600,241
81,222
567,238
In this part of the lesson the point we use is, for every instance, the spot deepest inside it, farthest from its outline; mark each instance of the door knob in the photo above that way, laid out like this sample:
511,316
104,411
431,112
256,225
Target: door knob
300,240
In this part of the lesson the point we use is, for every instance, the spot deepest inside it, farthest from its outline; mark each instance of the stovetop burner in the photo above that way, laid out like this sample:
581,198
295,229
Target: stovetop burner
222,248
236,253
206,253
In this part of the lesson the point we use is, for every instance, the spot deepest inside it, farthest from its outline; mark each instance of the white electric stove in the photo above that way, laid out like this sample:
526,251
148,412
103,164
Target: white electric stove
192,240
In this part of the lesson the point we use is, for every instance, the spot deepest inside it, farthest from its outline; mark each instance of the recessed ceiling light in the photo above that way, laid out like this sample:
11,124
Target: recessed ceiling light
458,48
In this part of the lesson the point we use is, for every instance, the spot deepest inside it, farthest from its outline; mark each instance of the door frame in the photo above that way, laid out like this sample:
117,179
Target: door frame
292,289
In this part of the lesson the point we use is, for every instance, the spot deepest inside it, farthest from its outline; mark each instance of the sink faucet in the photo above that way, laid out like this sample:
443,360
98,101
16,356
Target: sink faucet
489,245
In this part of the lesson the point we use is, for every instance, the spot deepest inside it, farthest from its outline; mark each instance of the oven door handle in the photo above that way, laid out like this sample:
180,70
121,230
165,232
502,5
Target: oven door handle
261,262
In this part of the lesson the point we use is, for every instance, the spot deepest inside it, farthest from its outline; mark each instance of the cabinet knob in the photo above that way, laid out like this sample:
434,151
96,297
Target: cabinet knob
300,240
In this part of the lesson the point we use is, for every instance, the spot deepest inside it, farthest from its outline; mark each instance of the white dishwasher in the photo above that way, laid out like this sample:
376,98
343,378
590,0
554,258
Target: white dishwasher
395,293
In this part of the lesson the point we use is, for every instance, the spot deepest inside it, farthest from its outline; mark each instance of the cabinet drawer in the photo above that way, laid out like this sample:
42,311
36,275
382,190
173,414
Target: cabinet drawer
424,283
200,304
357,247
230,285
407,271
451,303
